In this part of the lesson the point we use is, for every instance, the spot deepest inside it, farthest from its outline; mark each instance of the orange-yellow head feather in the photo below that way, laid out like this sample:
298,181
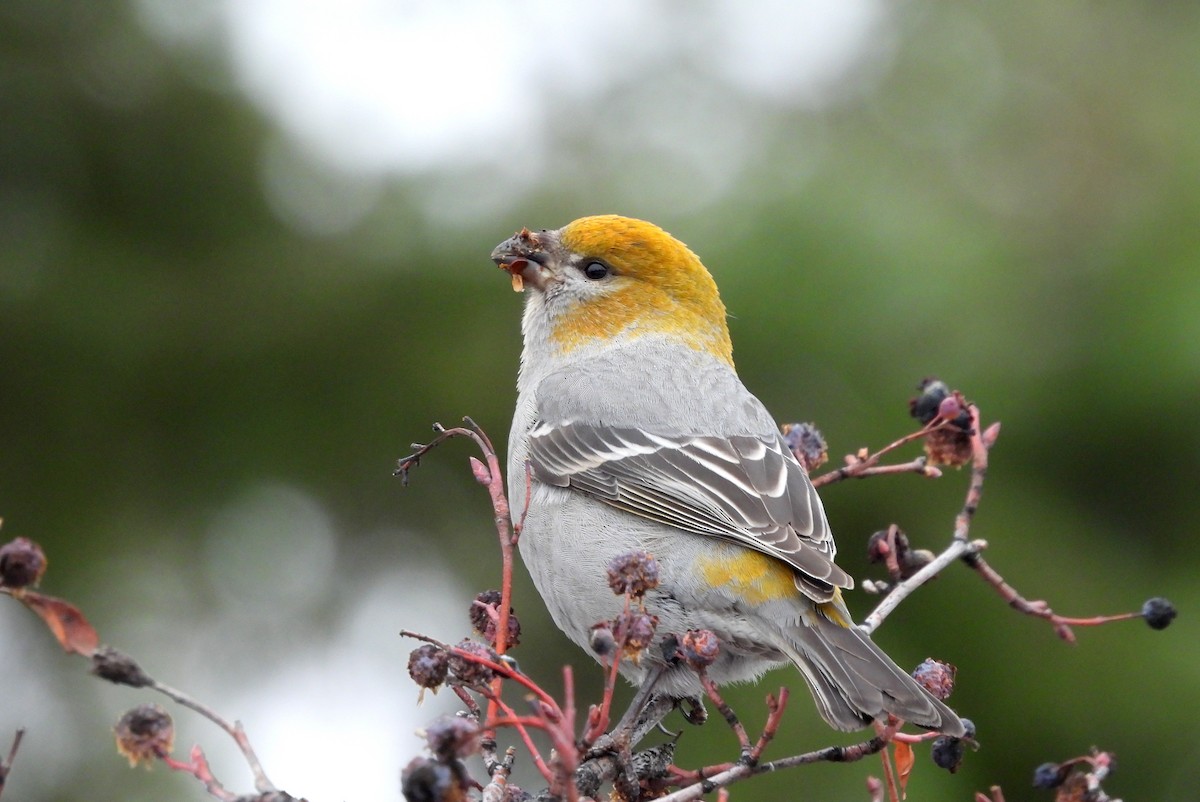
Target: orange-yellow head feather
651,283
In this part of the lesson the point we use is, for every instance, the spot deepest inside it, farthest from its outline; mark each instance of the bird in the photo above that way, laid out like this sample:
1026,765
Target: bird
632,431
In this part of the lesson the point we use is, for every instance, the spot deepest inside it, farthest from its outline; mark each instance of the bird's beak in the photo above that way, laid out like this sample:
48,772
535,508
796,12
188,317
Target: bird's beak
524,255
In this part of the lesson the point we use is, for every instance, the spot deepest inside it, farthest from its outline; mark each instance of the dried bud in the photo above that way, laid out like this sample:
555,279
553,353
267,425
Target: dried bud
807,444
936,677
145,734
950,446
428,665
1158,612
878,547
1075,788
22,563
603,642
639,631
633,573
452,737
425,780
470,671
483,618
915,560
118,667
699,648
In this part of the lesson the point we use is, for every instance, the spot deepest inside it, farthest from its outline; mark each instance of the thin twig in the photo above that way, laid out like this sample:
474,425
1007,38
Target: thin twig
775,707
742,771
490,476
234,728
954,551
495,789
861,465
726,711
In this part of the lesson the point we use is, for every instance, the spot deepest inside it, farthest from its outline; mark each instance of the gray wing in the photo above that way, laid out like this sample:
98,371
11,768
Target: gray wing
742,488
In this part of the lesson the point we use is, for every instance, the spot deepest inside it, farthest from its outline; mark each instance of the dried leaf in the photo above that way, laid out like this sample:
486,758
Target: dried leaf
64,619
904,764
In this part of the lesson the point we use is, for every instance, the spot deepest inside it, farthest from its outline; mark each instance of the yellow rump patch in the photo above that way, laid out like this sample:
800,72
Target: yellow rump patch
750,575
756,578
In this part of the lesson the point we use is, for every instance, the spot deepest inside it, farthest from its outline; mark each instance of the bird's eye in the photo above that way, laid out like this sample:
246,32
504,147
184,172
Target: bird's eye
595,270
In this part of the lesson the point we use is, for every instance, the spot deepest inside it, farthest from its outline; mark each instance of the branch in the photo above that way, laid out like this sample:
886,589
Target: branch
959,546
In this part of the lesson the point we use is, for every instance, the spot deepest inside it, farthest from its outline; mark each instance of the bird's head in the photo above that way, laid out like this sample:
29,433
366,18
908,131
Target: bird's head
609,279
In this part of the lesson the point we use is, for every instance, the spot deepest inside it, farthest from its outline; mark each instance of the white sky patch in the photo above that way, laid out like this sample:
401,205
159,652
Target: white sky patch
404,86
339,720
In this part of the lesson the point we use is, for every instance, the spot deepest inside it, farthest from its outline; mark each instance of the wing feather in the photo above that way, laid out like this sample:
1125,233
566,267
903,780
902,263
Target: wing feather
742,488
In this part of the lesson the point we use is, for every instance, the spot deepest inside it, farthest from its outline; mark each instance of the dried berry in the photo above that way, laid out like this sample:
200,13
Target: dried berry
470,671
1158,612
145,734
699,648
926,405
936,677
602,640
947,753
807,444
452,737
937,400
951,445
914,561
1050,775
633,573
22,563
428,665
425,780
968,729
118,667
483,618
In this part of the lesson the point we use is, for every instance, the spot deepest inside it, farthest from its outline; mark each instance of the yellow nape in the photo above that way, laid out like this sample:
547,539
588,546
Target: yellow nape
659,287
749,575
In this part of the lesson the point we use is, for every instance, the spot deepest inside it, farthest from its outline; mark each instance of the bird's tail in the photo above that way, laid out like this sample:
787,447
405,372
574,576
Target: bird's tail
854,682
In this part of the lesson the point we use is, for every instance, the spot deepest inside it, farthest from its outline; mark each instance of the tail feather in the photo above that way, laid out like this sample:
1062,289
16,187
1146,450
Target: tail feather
854,682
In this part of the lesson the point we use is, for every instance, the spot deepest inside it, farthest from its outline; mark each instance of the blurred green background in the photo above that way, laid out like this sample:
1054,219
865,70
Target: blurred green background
244,265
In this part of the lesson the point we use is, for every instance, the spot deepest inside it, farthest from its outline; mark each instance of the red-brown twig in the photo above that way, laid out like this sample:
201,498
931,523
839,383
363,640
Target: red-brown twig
600,715
490,475
522,724
863,464
198,768
775,707
889,776
1038,608
234,728
726,711
501,669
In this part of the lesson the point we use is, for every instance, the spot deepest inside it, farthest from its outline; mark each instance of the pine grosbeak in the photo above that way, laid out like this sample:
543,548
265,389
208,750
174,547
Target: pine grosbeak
640,435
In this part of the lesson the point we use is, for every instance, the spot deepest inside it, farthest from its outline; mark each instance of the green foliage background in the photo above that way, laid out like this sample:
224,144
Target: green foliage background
168,343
